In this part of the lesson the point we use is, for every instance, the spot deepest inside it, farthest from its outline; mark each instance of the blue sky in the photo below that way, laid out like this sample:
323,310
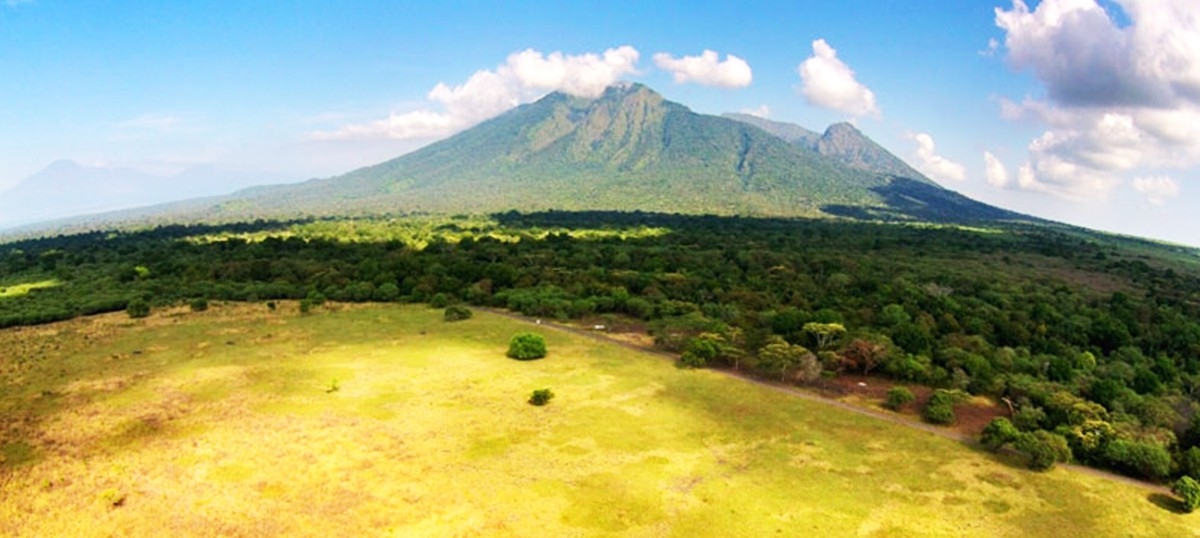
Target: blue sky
1083,111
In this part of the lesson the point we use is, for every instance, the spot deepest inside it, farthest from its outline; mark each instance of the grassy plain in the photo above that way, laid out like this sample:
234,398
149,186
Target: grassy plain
225,423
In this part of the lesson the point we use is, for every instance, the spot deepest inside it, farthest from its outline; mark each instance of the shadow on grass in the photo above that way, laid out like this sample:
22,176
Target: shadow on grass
1166,502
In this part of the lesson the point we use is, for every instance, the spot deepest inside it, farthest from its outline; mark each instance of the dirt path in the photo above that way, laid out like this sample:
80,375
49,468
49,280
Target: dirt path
800,393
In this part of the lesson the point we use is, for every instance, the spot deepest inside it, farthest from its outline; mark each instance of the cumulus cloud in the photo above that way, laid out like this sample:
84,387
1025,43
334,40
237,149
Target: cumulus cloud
523,77
1119,97
828,82
997,173
761,111
706,69
1156,189
934,165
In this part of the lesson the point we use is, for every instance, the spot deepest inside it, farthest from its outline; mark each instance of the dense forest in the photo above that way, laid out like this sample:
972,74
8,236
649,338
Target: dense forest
1093,341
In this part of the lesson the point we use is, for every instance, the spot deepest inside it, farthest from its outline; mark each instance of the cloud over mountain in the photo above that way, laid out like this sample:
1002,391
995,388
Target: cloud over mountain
828,82
1119,97
934,165
522,78
707,69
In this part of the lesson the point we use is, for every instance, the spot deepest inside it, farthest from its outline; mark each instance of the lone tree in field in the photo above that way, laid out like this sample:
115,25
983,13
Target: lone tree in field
1189,491
527,346
457,313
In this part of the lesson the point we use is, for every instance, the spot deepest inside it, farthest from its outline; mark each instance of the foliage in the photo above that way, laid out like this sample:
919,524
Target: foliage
457,313
998,433
1188,491
541,397
780,357
940,408
440,300
1142,459
898,397
527,346
137,308
198,305
1087,336
1042,449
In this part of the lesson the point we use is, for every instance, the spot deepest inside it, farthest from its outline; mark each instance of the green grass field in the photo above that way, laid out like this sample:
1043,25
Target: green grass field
223,423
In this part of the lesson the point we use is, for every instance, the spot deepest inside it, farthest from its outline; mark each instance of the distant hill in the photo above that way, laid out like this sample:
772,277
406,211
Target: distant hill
627,150
841,141
68,189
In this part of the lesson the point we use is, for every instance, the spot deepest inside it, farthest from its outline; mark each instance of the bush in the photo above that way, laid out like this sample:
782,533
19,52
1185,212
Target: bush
940,409
527,346
1140,459
997,433
457,313
692,360
440,300
198,305
1188,491
137,308
541,397
898,397
1042,449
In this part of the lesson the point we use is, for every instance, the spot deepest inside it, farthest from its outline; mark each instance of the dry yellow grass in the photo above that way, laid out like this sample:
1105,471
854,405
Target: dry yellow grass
223,423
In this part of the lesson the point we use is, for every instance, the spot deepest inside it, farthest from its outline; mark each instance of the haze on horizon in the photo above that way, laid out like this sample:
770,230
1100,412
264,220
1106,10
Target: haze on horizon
1082,111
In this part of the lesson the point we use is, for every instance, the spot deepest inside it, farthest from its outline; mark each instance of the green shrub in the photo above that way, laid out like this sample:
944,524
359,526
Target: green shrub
997,433
1138,458
690,359
306,306
527,346
541,397
940,409
457,313
1188,491
898,397
137,308
1040,448
198,304
440,300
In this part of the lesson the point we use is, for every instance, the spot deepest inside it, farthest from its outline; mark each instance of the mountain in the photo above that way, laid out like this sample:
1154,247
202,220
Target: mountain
841,141
629,149
66,189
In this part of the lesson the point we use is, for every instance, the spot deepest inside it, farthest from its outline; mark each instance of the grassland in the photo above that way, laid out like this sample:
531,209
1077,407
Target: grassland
16,290
224,423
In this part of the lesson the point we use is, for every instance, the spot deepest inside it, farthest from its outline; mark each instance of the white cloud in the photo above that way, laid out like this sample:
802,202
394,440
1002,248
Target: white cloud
1156,189
934,165
992,47
1119,97
524,77
829,83
707,69
997,173
761,111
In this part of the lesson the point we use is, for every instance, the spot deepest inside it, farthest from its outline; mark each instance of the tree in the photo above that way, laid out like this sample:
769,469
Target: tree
1042,449
457,313
940,409
898,397
527,346
1188,490
997,433
780,356
137,308
863,354
541,397
825,333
